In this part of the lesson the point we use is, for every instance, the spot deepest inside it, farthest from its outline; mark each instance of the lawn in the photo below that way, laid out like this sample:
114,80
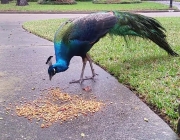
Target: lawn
142,65
82,6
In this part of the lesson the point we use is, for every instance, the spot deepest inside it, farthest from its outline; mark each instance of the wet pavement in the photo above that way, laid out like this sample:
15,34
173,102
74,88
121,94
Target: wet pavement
22,67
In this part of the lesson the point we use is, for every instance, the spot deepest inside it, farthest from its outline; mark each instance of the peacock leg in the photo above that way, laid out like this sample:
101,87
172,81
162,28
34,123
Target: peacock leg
91,65
87,58
82,72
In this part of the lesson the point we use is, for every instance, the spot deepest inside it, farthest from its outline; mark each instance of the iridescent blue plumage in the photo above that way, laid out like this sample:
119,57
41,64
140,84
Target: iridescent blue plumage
76,37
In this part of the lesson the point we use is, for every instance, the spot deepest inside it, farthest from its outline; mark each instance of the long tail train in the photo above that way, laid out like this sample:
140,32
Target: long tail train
130,24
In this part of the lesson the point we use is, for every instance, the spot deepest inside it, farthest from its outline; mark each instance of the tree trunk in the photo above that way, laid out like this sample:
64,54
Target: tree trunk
4,1
22,3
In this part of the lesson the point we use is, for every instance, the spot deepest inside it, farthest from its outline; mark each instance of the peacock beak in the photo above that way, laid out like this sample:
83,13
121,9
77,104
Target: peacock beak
50,77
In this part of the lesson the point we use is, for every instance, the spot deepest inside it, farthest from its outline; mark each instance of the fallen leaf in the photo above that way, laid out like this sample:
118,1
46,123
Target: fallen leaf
33,88
88,88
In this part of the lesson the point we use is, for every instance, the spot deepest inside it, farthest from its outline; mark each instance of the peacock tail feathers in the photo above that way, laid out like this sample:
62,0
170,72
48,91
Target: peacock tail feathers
129,24
136,25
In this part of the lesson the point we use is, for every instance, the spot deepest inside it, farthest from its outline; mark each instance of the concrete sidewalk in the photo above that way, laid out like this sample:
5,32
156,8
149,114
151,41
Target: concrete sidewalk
22,67
167,2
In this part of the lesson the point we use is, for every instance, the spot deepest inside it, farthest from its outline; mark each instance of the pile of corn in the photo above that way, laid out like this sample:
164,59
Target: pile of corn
56,106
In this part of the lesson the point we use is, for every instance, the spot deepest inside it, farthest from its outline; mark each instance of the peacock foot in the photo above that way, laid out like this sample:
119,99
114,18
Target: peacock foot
76,81
90,77
81,80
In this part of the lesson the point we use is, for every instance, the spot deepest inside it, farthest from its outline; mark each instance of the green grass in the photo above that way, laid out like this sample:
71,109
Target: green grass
82,6
116,1
142,64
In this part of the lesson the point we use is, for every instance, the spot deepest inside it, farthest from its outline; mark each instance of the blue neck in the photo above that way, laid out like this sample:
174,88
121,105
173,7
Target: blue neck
62,52
61,66
62,58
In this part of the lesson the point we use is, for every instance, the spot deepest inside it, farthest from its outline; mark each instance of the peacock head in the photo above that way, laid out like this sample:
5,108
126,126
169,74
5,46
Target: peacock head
55,68
51,70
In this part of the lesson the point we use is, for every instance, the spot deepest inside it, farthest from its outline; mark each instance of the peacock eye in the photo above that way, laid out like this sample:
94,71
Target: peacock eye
54,70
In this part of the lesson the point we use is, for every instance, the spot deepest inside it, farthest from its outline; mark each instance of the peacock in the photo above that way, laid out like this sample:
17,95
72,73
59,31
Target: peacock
75,37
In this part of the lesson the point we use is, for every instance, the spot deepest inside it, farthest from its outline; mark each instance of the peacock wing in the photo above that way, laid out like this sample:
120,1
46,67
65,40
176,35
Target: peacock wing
90,28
